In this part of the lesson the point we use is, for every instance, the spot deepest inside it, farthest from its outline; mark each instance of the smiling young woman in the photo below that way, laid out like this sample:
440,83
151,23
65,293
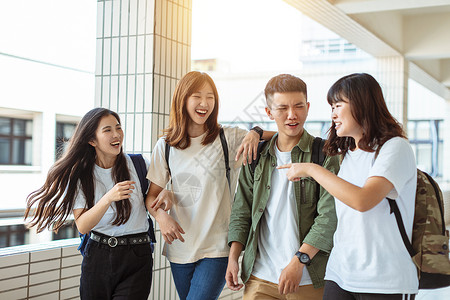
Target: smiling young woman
202,195
96,181
369,259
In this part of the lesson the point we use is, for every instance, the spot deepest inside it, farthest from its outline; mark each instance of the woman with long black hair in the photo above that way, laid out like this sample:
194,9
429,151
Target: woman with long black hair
96,181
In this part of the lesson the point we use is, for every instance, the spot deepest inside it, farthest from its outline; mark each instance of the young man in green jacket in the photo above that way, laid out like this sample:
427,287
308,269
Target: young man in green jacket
286,231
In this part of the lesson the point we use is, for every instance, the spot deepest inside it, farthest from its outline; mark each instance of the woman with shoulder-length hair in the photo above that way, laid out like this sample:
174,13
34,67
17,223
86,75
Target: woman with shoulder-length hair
369,259
96,181
202,194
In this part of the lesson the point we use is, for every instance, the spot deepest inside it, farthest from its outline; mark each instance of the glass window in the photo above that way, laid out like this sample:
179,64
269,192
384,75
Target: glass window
19,127
4,150
423,157
15,141
13,235
64,132
18,152
67,231
412,130
5,126
423,131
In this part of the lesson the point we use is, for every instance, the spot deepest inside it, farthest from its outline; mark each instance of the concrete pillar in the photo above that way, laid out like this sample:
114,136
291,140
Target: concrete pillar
393,74
143,49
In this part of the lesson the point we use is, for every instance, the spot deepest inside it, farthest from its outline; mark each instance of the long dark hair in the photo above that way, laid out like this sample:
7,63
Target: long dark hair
176,133
55,199
368,108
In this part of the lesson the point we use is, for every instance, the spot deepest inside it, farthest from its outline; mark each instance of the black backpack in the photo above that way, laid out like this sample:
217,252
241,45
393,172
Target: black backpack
141,170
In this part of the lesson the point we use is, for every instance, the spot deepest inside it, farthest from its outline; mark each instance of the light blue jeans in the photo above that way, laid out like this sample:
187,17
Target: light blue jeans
203,279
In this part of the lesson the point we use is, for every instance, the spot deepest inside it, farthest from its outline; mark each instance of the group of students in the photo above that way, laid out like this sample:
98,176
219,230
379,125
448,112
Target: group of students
309,231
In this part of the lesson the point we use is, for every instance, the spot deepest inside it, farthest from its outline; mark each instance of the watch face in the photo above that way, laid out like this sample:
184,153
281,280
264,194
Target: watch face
304,258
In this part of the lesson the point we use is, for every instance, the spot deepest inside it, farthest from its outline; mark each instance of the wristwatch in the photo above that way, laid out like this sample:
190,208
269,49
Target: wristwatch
258,130
303,258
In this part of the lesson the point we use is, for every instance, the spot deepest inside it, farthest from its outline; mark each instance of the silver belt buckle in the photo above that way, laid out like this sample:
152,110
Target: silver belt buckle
112,242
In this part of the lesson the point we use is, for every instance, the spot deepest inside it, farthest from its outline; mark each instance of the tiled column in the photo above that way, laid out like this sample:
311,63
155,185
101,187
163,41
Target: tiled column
393,74
143,49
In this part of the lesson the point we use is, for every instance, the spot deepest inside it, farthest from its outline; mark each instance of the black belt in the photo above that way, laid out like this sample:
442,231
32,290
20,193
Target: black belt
120,241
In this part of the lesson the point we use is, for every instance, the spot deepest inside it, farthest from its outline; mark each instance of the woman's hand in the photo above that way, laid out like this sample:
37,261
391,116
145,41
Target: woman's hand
164,200
122,190
248,147
170,229
86,220
296,170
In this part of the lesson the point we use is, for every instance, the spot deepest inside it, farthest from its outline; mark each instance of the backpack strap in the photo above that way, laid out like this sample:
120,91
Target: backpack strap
318,157
224,144
401,226
398,217
439,200
166,155
254,163
141,170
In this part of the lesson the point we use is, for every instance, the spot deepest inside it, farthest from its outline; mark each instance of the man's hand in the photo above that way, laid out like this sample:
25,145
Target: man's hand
232,275
290,277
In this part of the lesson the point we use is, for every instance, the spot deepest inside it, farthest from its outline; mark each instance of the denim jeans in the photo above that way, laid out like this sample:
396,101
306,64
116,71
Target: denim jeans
123,272
203,279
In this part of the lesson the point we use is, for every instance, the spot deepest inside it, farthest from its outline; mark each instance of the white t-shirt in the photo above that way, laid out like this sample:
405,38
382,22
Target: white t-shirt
279,238
202,197
103,182
368,254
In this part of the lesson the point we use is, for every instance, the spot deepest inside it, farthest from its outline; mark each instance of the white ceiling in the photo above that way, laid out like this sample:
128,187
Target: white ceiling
418,30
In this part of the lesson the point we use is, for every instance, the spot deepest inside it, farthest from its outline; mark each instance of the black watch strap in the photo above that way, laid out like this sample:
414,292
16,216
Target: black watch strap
258,130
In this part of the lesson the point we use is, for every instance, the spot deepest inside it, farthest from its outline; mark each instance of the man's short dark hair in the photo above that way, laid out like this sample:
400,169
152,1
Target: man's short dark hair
284,83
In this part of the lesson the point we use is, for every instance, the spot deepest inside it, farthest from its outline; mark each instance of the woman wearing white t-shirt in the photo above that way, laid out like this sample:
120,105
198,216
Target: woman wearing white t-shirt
96,181
196,228
369,259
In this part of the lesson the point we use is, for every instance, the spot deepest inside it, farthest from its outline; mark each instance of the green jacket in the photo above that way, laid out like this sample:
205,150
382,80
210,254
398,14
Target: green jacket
317,218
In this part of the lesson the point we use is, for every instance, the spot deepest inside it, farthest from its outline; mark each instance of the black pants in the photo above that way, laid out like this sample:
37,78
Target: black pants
123,272
333,291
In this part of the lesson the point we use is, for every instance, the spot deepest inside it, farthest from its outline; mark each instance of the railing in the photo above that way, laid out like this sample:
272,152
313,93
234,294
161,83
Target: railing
41,271
52,271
